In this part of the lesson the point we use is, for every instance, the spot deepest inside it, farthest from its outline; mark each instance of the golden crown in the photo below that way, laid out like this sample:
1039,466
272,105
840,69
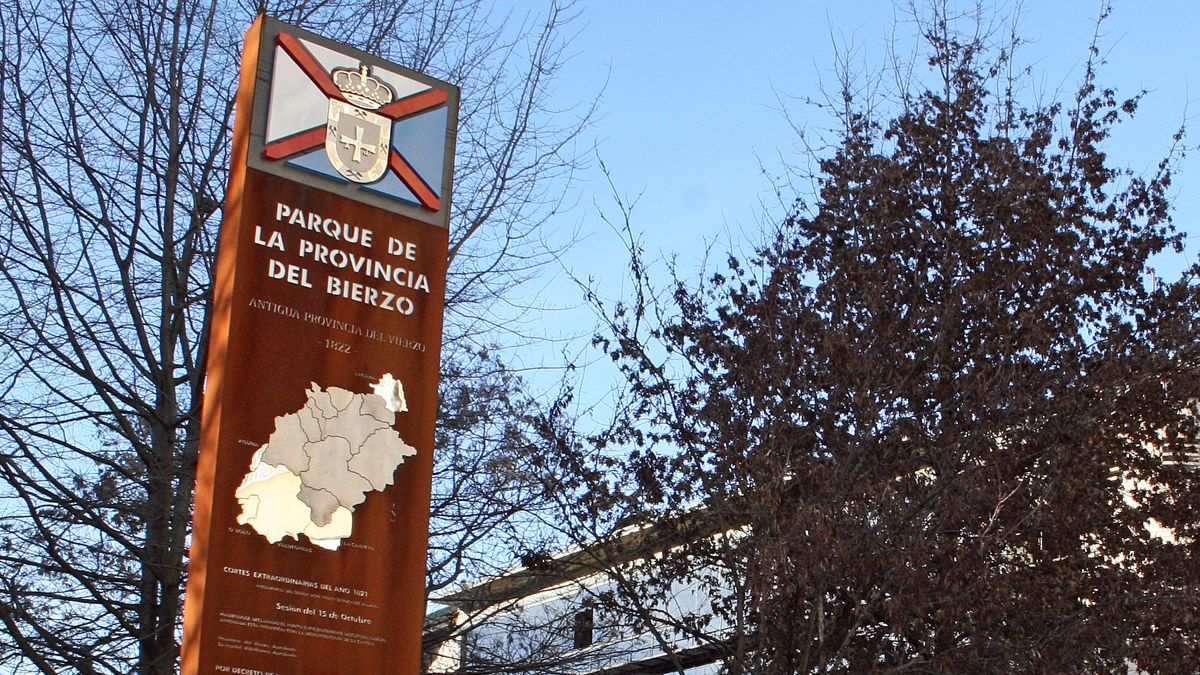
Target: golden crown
362,89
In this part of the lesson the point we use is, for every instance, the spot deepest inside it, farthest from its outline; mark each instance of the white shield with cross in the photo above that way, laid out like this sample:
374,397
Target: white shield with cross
358,142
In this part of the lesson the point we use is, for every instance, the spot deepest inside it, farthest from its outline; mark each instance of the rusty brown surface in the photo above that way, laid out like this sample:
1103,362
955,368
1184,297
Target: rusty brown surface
261,363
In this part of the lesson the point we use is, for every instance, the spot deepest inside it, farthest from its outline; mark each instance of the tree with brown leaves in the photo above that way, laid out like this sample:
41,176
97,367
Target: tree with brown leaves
942,419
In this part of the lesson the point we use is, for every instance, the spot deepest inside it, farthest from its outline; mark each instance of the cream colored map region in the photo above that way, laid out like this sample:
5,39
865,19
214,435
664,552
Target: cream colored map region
321,461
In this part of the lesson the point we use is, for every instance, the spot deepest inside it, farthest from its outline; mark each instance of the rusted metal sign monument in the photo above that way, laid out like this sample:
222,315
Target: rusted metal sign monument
312,497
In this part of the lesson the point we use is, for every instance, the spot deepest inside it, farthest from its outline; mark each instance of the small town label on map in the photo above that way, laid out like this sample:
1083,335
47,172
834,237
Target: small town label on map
321,461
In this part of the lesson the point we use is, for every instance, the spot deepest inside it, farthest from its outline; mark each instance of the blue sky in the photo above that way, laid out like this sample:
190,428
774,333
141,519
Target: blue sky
690,114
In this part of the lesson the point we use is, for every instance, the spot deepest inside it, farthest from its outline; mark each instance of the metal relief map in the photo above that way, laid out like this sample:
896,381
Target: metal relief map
321,461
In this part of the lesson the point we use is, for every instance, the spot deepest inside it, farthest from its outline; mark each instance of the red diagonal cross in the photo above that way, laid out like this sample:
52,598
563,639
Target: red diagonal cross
395,111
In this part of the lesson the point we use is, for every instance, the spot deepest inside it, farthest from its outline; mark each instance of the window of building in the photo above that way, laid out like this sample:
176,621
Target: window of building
585,623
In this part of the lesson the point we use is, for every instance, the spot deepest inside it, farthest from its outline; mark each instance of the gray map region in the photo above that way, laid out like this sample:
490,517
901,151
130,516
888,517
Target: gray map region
341,445
322,502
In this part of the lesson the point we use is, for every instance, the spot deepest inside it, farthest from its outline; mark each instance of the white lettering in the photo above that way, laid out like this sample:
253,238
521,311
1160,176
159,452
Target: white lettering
406,249
370,267
293,274
367,295
275,240
330,227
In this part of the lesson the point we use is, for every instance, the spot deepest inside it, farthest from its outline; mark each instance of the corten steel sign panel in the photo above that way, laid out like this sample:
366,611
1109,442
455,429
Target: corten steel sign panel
313,483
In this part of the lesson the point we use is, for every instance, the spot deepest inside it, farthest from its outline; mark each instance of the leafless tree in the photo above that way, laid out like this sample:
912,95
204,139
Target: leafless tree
114,142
